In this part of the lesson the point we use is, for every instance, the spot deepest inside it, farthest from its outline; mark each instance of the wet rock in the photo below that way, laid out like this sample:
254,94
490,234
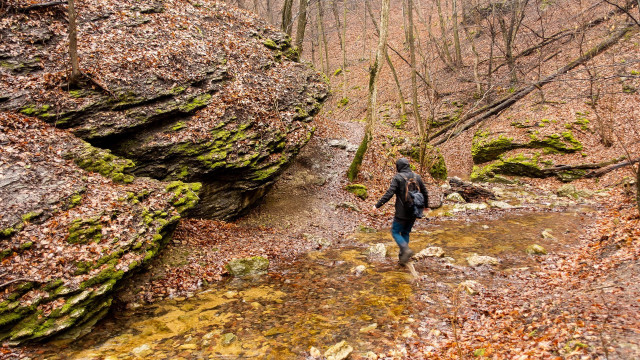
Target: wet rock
432,251
370,355
142,350
338,143
571,192
339,351
188,346
471,287
248,266
314,352
546,234
228,338
455,197
377,251
366,229
470,206
499,204
318,241
536,249
476,260
358,270
368,328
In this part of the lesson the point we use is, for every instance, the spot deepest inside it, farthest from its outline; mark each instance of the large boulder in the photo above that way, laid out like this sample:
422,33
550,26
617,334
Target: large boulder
204,93
69,236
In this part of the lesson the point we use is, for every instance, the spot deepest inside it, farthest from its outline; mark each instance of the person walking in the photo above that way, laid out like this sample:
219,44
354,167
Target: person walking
404,215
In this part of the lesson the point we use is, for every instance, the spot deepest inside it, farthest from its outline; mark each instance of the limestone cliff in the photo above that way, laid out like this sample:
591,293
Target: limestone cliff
188,91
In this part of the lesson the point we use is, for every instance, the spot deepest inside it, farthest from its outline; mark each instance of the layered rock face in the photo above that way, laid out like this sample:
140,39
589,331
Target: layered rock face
68,236
202,93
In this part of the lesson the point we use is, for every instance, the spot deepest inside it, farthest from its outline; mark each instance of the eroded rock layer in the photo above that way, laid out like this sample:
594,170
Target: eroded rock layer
68,236
193,92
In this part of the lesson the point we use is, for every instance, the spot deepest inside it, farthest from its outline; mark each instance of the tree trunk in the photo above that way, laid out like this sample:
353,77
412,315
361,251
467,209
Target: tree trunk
269,12
302,25
412,59
456,36
324,37
320,45
73,45
344,51
336,16
403,111
443,35
374,71
286,16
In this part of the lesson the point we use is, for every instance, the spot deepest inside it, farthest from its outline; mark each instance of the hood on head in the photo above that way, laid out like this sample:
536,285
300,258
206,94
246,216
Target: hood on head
402,165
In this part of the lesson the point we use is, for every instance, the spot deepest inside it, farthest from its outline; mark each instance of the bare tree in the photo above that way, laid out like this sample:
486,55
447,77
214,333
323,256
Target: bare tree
456,36
287,21
323,36
73,45
510,32
374,71
302,25
412,59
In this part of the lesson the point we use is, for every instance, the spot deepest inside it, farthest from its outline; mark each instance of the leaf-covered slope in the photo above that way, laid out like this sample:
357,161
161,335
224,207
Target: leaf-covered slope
196,92
68,235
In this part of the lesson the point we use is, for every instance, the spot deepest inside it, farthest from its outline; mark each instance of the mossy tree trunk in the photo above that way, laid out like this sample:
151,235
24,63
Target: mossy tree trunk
73,45
374,71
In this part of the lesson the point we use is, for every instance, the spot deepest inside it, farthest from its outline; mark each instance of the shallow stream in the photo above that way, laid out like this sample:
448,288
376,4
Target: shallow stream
318,301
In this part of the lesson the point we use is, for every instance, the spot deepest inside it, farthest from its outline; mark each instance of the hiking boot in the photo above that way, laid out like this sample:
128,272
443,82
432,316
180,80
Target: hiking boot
405,254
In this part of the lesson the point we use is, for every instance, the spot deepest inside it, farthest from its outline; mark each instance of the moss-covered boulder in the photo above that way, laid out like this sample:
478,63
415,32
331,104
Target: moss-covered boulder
255,265
486,148
222,101
358,190
69,236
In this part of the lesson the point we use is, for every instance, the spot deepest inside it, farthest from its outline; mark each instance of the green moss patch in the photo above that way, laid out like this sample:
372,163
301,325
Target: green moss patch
82,231
104,163
485,149
358,190
185,195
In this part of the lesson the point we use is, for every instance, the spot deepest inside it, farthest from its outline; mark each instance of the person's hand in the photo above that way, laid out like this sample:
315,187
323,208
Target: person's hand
374,208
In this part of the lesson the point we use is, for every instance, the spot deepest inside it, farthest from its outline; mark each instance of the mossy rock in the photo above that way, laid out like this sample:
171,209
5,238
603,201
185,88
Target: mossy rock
358,190
484,149
256,265
433,158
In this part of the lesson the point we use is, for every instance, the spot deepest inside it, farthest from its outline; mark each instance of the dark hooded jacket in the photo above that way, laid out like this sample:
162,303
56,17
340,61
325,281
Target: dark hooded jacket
398,188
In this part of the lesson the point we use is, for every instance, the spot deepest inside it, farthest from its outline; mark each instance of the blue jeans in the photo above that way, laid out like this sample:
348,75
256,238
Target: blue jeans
400,230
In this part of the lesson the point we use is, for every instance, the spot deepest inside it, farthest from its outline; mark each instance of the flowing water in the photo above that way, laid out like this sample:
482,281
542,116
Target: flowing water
318,301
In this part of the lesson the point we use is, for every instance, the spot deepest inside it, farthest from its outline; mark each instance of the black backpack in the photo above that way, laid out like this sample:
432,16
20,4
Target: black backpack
414,201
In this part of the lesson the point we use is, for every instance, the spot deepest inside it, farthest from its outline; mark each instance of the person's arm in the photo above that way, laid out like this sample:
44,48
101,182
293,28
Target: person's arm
389,194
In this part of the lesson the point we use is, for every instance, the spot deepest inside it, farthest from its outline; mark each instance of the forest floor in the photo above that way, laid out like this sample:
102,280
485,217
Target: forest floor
577,302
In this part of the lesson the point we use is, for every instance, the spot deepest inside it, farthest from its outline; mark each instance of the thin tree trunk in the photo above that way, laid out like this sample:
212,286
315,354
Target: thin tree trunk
403,111
344,51
374,71
364,30
73,45
286,16
323,36
443,30
269,12
336,16
476,60
456,36
320,46
412,59
302,25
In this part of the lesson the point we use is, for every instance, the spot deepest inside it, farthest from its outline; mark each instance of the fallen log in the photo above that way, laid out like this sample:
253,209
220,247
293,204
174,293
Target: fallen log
500,105
470,192
601,171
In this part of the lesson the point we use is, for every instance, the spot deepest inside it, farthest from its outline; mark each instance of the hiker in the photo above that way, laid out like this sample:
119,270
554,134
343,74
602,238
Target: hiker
403,183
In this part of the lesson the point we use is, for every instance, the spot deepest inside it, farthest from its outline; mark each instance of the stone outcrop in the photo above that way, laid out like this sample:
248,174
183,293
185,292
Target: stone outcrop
69,236
218,99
